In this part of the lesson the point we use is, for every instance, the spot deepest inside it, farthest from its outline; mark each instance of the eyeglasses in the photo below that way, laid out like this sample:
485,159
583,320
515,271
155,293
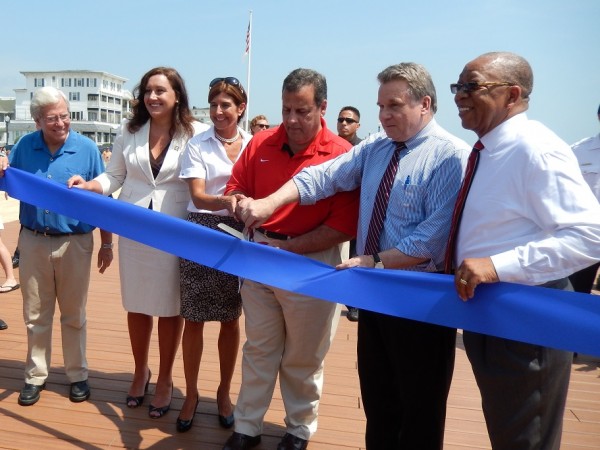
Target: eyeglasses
54,119
473,86
347,120
232,81
262,125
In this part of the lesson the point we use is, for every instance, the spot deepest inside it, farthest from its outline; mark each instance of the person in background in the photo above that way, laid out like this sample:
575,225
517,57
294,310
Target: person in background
259,123
288,334
529,218
208,294
587,152
10,283
348,123
57,250
405,366
145,165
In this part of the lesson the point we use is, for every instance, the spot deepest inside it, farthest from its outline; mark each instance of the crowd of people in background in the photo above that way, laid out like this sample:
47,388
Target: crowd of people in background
413,197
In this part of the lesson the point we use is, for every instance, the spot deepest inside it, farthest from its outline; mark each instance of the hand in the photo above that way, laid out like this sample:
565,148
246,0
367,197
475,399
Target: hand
77,181
357,261
254,212
105,257
471,273
3,164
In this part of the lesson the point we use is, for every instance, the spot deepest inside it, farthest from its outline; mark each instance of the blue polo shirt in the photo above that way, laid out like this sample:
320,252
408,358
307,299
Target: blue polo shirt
79,155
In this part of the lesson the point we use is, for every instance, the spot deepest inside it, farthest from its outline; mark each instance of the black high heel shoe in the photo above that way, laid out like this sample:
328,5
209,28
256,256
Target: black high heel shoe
226,422
185,425
159,410
134,402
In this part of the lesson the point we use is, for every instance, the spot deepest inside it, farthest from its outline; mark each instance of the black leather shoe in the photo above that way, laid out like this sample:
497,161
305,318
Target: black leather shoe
30,394
15,260
185,425
239,441
352,314
80,391
291,442
3,325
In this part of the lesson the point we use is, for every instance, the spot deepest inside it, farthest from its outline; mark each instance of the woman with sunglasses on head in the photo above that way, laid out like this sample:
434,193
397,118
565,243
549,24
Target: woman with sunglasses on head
208,294
145,165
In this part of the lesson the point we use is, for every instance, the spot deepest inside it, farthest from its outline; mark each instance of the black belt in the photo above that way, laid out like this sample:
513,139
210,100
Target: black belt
47,234
274,235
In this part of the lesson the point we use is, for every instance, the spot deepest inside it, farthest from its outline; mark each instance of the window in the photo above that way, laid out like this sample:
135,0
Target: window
92,116
74,96
38,82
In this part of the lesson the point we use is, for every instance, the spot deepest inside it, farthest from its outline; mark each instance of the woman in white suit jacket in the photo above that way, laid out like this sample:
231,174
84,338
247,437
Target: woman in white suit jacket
145,165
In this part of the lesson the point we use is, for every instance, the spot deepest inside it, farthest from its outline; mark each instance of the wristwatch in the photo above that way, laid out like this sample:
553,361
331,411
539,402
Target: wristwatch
377,260
109,246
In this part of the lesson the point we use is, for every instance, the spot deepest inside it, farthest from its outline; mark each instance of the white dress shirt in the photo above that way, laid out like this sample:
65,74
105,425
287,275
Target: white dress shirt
205,158
587,152
529,208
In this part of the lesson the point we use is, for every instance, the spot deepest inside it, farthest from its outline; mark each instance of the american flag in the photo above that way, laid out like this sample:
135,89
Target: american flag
247,40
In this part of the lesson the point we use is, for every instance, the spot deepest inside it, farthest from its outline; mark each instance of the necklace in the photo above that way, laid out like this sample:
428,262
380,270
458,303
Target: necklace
227,141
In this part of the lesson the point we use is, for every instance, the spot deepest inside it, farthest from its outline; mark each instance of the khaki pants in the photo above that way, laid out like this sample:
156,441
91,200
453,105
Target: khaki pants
287,335
55,270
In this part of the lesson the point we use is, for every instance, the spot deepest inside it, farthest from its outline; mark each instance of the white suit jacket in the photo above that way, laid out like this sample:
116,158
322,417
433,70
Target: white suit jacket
129,169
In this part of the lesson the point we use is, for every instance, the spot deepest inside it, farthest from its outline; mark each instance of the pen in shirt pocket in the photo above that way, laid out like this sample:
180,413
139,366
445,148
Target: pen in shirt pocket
407,182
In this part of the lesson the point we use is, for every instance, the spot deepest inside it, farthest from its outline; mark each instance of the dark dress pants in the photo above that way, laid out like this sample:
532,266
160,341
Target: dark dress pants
523,388
405,370
583,281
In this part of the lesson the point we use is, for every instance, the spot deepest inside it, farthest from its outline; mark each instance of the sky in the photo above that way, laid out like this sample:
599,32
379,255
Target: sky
349,42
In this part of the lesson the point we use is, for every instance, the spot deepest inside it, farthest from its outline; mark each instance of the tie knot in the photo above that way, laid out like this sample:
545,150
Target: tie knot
400,146
478,145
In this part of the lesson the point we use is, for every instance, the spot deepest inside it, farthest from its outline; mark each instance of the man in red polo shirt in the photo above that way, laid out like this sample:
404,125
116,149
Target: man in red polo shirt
288,334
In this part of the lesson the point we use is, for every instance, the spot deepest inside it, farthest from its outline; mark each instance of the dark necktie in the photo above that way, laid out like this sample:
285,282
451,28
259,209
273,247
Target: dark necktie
460,205
381,202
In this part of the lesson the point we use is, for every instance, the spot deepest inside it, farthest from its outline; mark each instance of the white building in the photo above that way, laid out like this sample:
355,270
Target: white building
98,102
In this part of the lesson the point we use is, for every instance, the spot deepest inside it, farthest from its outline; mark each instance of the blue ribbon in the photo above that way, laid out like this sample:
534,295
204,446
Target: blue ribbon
549,317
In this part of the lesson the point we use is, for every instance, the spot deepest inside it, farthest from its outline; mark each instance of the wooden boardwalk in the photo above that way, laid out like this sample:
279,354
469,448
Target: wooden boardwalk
105,422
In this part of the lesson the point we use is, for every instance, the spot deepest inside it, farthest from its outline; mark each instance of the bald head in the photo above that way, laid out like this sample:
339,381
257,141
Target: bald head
511,68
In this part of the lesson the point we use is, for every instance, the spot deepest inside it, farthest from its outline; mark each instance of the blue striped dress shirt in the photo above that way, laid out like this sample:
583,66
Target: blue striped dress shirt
422,198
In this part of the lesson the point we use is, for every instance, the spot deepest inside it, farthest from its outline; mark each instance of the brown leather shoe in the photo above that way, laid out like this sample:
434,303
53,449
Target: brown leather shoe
239,441
291,442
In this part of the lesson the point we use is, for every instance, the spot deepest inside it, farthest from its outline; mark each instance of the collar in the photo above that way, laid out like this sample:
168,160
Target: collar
319,144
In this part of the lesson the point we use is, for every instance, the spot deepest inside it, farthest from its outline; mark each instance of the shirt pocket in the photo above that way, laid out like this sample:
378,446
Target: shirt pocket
407,204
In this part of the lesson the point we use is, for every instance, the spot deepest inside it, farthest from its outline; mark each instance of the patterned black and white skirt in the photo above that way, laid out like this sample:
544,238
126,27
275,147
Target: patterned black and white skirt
208,294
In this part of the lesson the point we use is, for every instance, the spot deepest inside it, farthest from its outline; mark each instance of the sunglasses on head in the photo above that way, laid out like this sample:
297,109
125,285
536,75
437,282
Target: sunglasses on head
232,81
347,120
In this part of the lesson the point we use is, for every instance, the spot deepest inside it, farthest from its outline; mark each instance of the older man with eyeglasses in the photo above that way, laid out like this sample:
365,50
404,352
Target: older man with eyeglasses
56,251
528,218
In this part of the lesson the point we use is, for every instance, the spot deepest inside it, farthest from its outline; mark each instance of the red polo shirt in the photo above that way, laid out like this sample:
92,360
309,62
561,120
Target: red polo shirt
265,166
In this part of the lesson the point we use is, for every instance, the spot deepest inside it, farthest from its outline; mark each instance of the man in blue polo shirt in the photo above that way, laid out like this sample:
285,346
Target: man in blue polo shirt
56,251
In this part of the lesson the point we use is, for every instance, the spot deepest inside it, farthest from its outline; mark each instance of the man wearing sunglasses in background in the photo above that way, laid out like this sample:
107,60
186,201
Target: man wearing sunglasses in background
259,123
529,218
56,251
348,123
288,334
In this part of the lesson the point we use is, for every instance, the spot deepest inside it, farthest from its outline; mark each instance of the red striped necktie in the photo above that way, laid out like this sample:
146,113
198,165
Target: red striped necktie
459,206
381,202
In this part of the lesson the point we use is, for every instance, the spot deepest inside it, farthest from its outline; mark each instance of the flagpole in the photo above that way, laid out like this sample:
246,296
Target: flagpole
249,53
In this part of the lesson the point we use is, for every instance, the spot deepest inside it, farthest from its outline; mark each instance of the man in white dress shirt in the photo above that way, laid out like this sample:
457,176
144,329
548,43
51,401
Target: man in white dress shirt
529,218
587,152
